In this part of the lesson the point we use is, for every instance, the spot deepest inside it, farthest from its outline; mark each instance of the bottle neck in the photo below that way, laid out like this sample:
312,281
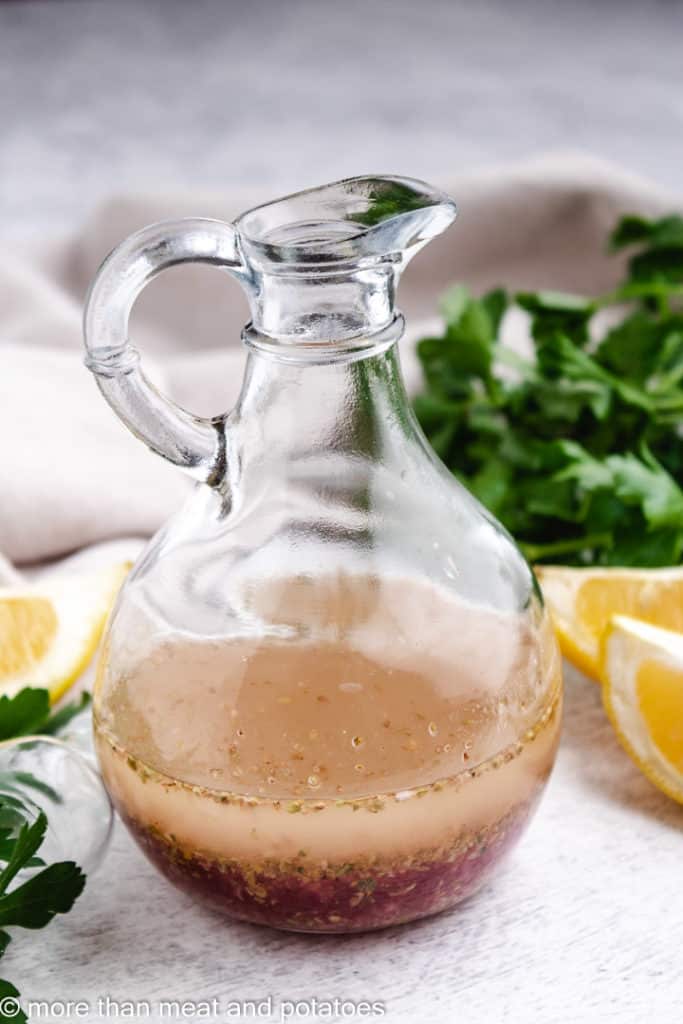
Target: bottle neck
291,417
323,307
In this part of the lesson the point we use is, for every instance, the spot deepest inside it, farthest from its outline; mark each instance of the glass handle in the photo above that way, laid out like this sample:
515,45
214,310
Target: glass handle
190,442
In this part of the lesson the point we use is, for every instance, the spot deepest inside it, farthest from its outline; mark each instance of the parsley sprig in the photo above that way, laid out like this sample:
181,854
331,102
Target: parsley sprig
33,900
578,450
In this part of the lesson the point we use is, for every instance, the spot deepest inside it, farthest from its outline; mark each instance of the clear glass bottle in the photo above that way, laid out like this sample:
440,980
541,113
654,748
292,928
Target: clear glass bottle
329,696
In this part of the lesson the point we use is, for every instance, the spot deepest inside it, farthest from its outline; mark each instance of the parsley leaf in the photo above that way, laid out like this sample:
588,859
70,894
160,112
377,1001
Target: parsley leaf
46,890
52,891
8,990
579,450
28,714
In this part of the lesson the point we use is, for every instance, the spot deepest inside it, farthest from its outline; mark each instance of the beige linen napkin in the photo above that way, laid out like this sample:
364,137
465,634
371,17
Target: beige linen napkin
71,475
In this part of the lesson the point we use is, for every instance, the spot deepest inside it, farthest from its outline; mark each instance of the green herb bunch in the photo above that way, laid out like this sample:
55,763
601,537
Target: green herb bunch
51,888
577,450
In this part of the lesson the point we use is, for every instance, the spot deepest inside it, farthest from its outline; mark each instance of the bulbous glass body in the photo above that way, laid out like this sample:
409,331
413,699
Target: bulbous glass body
329,695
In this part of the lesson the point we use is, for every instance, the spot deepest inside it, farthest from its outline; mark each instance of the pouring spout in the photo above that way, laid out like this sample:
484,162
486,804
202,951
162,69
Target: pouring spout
324,264
360,218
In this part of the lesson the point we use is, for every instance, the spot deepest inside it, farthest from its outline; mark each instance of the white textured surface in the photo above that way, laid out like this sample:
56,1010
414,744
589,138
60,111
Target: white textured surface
586,922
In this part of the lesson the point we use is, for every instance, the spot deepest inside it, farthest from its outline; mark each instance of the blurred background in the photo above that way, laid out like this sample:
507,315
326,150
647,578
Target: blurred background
116,95
545,120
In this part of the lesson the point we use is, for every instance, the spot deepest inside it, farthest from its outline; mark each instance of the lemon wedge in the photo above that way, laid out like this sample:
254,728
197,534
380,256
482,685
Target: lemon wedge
50,630
583,601
642,669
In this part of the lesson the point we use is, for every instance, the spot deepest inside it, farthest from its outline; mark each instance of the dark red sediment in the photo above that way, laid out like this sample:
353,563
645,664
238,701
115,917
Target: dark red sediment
307,896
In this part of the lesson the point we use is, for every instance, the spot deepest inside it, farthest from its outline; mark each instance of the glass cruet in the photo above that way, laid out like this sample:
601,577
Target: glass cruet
328,697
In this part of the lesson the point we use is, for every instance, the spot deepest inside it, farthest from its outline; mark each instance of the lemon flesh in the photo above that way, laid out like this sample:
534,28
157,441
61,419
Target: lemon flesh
642,669
49,631
582,602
